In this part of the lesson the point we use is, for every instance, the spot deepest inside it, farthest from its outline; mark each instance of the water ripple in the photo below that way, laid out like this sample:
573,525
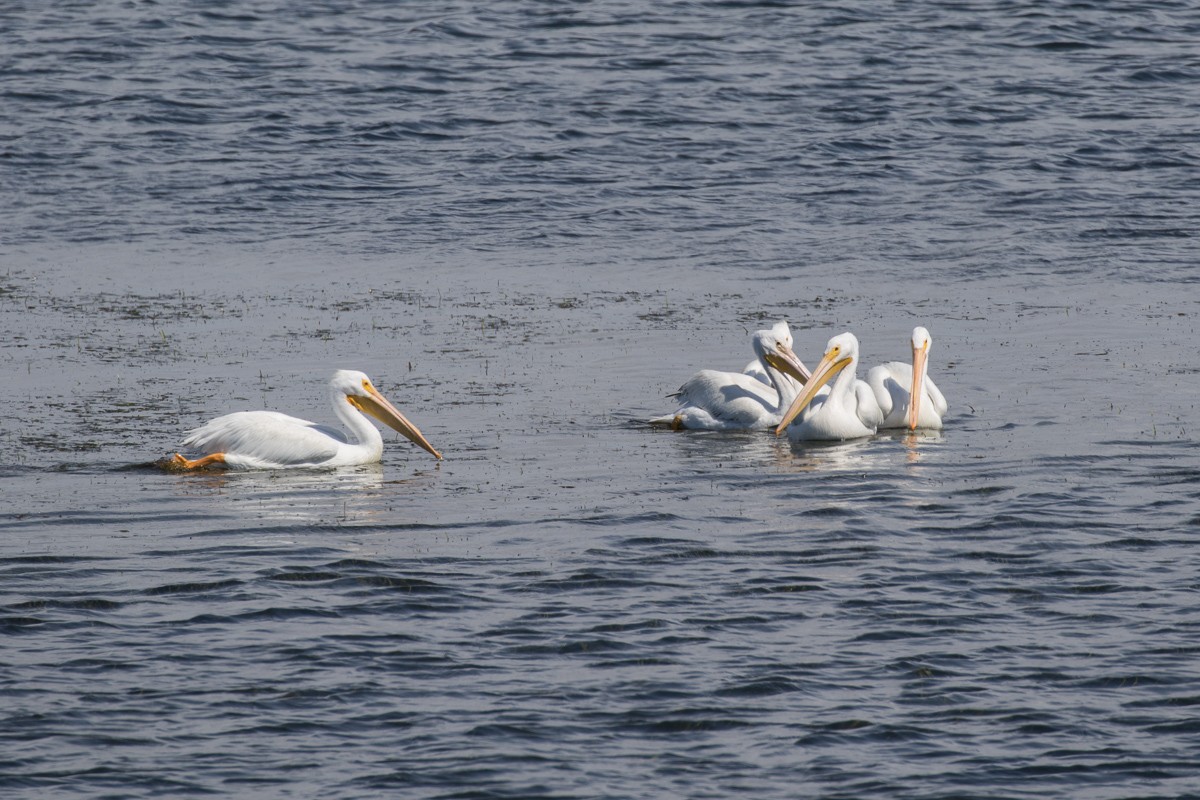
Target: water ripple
532,223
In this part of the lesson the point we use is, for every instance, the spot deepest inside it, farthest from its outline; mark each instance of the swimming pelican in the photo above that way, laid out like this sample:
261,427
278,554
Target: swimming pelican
270,440
724,401
895,382
848,410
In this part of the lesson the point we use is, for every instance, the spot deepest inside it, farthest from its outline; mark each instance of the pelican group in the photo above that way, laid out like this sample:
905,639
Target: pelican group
270,440
714,400
895,395
776,391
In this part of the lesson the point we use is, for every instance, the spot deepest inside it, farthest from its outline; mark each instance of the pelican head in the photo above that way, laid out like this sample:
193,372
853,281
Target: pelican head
921,340
362,395
840,352
782,332
774,346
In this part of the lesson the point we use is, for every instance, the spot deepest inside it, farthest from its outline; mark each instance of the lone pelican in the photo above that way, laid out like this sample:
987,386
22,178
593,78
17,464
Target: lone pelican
723,401
896,383
270,440
848,411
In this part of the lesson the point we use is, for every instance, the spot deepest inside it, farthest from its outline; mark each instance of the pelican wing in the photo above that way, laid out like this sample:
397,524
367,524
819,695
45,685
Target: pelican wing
890,383
715,400
266,436
754,370
936,397
867,406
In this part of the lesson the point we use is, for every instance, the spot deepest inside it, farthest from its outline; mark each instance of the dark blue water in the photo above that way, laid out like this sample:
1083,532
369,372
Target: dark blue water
530,222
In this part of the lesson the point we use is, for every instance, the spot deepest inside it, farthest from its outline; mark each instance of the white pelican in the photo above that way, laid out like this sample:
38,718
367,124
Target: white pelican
895,382
270,440
847,411
724,401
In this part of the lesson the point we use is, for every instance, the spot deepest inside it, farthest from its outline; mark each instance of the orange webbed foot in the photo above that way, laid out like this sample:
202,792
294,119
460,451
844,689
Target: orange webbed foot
180,462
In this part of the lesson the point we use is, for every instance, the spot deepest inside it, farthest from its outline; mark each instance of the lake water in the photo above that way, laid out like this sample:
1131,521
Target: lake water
529,223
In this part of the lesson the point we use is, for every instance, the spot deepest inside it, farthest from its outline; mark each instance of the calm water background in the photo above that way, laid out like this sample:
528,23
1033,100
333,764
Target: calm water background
529,222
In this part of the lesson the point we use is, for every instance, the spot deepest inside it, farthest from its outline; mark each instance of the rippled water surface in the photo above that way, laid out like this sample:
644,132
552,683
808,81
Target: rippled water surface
529,223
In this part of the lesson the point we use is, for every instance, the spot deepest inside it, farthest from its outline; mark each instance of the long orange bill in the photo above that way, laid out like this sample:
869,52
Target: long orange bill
829,367
378,407
914,393
788,363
